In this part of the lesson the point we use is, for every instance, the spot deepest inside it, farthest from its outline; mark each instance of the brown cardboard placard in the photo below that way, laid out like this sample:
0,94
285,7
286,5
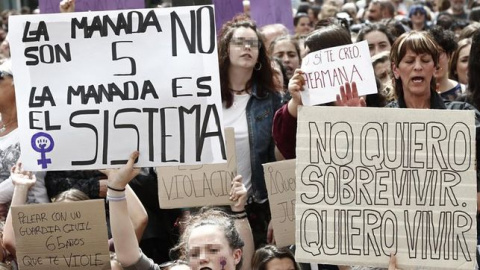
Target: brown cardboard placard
62,236
376,181
280,182
192,186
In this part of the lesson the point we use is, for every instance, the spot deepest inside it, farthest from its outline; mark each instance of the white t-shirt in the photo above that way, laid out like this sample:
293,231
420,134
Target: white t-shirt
236,117
9,154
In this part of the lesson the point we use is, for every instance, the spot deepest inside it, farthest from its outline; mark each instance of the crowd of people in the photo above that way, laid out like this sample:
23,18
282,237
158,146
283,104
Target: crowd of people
425,55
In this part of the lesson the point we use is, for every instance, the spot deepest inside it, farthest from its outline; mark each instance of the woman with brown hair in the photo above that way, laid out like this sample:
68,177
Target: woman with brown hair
250,100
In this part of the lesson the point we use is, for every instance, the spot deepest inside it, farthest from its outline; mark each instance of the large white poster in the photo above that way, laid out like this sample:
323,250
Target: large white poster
377,181
92,87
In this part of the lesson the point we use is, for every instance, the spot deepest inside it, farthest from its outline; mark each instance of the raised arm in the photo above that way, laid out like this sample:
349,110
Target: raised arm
137,213
123,232
238,195
22,181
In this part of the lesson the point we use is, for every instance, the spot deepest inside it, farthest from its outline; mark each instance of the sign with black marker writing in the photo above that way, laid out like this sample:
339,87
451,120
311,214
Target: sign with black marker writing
198,185
93,87
328,69
376,181
61,236
280,182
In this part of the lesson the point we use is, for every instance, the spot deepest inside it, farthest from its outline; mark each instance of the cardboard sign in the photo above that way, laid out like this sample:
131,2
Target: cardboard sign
326,70
376,181
61,236
52,6
266,12
280,181
192,186
92,87
225,10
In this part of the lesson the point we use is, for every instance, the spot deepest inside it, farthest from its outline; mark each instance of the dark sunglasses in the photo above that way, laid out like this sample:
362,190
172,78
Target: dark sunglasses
172,263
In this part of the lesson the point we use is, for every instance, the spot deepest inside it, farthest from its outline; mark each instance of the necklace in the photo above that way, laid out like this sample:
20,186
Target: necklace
4,126
237,91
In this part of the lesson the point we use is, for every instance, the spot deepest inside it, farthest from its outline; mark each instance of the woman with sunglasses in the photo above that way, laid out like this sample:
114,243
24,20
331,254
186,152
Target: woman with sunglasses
250,100
211,240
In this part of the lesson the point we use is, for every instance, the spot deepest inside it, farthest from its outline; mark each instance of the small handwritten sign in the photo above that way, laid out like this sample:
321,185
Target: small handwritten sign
192,186
61,236
326,70
280,182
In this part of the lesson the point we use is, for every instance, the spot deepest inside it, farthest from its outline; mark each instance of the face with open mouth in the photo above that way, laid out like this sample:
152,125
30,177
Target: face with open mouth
416,72
208,249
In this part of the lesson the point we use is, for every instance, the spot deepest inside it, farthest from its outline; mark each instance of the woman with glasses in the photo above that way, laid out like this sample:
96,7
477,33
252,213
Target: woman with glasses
250,100
211,240
418,18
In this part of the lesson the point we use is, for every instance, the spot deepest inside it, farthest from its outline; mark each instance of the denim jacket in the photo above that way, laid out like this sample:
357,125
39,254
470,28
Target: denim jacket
260,112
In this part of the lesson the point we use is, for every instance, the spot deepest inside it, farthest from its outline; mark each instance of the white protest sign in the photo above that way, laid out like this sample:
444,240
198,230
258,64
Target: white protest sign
280,182
92,87
376,181
328,69
61,236
198,185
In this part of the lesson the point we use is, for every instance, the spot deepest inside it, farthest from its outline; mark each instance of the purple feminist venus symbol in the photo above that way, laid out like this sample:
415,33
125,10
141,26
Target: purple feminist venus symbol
223,262
42,143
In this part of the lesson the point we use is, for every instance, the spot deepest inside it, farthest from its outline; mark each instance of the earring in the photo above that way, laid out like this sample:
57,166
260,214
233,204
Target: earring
258,66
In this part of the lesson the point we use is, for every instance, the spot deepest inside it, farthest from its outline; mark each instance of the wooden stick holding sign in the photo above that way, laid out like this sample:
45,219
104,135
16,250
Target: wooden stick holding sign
191,186
61,236
377,181
280,181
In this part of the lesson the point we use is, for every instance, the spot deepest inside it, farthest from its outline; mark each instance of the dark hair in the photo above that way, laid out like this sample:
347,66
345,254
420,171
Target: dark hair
454,59
327,37
303,8
418,42
267,253
445,20
263,76
469,30
376,27
444,38
283,70
214,217
473,71
298,16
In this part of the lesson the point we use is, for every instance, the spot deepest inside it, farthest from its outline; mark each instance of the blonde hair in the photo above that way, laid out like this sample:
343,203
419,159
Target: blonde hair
71,195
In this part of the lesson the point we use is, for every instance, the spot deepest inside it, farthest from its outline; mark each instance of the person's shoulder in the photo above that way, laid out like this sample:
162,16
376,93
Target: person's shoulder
459,105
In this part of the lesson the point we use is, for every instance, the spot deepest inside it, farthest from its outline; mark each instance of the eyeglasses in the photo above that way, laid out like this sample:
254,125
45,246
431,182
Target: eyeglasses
251,43
165,265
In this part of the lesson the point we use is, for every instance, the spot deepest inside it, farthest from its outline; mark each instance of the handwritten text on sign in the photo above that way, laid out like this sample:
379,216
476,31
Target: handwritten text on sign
280,182
371,182
61,236
326,70
198,185
92,87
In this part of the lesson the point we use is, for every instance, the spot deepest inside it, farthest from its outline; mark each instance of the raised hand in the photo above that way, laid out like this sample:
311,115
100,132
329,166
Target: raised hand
67,6
349,96
119,178
21,177
238,194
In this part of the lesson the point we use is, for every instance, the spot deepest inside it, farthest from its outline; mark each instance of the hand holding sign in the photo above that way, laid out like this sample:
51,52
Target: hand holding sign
119,178
238,194
67,6
295,86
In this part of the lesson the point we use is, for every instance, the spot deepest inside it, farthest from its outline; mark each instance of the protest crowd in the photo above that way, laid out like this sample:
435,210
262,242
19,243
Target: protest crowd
425,55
